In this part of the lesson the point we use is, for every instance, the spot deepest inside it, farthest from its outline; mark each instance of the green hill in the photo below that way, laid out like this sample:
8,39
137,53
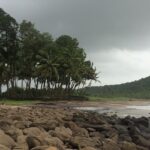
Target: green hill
135,89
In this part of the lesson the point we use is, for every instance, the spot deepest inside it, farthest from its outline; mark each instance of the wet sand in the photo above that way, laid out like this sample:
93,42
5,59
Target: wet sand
121,109
136,108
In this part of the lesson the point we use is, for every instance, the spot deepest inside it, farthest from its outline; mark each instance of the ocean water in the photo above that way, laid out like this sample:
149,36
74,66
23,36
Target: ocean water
131,110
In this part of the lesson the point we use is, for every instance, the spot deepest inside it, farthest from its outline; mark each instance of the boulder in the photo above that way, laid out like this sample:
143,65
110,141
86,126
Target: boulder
17,117
82,142
89,148
34,131
110,145
54,141
14,132
51,148
2,147
128,146
62,133
40,148
7,140
33,142
50,125
19,124
5,125
21,143
78,131
141,148
140,140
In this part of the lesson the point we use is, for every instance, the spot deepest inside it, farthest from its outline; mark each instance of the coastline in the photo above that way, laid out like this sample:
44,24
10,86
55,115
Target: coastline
56,128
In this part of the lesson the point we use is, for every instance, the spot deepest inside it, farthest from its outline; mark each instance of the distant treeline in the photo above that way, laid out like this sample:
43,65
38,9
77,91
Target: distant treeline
44,67
136,89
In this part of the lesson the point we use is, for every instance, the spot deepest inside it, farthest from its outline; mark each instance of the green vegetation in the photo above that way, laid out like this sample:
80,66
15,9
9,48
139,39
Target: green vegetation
137,89
34,65
18,102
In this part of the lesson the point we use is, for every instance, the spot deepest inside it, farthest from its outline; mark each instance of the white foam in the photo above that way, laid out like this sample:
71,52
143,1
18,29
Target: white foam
139,107
88,108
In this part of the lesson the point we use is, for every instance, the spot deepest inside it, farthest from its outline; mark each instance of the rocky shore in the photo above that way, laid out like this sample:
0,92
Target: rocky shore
38,128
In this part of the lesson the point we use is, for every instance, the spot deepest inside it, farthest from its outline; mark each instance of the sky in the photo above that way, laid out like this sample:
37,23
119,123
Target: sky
114,33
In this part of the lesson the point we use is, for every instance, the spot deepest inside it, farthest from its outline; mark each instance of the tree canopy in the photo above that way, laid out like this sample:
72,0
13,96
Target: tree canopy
36,64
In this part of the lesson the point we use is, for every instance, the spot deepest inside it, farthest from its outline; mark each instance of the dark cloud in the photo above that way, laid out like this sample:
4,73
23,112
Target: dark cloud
99,25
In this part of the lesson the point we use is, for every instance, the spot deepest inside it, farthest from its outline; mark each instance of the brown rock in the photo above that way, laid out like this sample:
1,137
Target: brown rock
33,142
89,148
14,132
2,147
21,143
62,133
50,125
54,141
82,142
139,140
52,148
128,146
141,148
78,131
36,132
7,141
110,145
40,148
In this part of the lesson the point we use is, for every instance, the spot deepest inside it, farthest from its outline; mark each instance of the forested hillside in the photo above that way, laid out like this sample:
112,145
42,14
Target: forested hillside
136,89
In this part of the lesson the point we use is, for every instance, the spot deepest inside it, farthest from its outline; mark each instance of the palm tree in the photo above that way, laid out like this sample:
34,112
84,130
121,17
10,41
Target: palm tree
47,67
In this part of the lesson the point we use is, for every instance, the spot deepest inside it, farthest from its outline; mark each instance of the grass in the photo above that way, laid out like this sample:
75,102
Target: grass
91,98
18,102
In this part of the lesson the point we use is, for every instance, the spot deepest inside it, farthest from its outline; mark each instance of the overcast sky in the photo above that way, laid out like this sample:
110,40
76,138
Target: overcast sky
114,33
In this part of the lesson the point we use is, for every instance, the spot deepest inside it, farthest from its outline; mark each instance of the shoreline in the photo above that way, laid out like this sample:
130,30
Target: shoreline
45,128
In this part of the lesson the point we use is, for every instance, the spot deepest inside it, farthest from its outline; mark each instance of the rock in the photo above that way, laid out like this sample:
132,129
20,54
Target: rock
78,131
40,148
127,121
110,145
21,143
19,124
141,148
50,125
143,120
52,148
34,131
89,148
91,130
5,125
54,141
128,146
121,129
2,147
14,132
17,117
33,142
41,128
82,142
97,134
7,140
139,140
45,148
62,133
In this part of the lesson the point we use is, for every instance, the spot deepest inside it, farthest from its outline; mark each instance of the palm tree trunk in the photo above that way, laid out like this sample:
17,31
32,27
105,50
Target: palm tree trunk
22,84
0,90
